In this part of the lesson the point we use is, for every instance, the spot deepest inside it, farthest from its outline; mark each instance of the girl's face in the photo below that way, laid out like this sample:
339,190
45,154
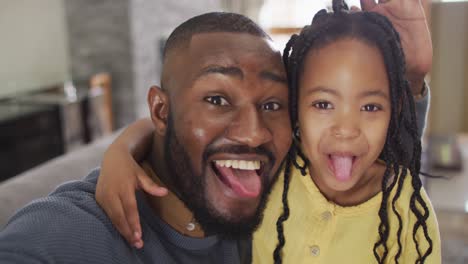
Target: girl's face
344,113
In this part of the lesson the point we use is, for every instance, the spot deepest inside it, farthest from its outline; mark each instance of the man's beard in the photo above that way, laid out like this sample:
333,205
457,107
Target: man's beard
191,188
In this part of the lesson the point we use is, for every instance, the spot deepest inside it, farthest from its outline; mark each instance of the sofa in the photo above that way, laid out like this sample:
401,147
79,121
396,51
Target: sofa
41,180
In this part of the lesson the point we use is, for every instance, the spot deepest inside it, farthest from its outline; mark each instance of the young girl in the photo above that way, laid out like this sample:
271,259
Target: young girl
351,190
356,133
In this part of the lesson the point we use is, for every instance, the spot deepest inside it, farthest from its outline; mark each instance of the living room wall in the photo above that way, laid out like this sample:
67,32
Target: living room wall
449,78
34,45
100,41
151,22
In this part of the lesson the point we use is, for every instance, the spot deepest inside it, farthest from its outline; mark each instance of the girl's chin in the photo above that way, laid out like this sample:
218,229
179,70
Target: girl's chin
341,186
333,185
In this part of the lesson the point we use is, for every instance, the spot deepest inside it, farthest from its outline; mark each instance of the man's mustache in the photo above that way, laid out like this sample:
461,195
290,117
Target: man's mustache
238,150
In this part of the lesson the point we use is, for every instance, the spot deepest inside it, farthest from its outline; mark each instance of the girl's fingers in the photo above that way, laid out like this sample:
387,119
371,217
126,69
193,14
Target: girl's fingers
116,214
130,211
149,186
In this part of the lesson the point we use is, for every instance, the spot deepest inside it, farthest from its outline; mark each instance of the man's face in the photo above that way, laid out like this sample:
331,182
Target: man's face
228,128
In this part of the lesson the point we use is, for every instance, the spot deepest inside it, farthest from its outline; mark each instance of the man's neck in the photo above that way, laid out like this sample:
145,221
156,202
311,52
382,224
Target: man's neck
156,160
172,210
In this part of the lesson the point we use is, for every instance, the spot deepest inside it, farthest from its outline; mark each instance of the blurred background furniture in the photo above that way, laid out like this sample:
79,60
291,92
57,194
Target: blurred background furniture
38,126
29,135
101,84
449,197
40,181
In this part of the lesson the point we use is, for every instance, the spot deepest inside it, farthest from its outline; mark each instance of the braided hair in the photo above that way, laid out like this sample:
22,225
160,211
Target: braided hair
402,148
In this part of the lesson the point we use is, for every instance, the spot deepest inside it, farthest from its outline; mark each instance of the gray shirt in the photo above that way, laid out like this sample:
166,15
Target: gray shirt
68,226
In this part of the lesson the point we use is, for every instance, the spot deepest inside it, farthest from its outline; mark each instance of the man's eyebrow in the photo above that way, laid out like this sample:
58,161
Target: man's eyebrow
268,75
378,93
218,69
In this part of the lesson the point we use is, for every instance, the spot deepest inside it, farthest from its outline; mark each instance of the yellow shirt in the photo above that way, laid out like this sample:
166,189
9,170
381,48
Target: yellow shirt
319,231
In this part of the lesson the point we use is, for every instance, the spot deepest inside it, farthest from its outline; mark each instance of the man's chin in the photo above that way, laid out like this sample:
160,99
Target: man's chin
234,220
231,226
239,217
236,208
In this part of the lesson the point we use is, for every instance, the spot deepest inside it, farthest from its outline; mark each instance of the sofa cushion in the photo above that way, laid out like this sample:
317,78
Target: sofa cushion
41,180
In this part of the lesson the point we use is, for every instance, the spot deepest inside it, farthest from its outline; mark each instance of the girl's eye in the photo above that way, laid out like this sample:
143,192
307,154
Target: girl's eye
271,106
323,105
371,108
216,100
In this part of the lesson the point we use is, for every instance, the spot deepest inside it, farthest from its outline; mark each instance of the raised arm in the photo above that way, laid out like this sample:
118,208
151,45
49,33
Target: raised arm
409,19
121,176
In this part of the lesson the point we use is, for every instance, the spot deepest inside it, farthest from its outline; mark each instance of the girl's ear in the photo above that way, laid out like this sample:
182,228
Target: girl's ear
158,103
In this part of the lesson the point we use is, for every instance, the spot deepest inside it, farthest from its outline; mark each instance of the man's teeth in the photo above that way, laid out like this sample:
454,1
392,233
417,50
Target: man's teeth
239,164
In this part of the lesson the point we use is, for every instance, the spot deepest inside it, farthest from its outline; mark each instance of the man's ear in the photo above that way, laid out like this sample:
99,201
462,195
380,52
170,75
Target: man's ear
158,103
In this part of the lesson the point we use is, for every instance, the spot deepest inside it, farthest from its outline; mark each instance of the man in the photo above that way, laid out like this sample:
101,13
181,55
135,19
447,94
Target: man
223,99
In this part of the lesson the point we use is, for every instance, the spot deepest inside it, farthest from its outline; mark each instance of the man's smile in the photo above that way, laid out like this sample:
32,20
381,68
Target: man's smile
241,175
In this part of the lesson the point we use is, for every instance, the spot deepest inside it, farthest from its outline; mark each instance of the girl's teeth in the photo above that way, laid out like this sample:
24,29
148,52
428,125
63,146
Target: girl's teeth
239,164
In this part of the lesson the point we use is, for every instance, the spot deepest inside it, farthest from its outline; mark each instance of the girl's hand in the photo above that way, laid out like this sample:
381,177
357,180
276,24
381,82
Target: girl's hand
121,176
409,19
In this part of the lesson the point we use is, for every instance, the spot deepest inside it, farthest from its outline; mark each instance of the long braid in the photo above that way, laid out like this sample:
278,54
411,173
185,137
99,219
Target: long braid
410,125
389,153
399,158
285,215
416,183
383,226
414,163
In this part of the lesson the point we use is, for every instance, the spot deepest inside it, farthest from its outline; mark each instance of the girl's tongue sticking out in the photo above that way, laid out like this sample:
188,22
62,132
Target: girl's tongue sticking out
342,166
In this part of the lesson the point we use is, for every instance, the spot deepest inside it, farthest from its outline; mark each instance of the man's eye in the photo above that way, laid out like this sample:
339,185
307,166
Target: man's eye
371,108
323,105
217,100
271,106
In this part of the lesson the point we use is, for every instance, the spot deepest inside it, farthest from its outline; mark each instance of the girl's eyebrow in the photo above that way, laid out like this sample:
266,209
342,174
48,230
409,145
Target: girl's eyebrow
369,93
321,89
378,93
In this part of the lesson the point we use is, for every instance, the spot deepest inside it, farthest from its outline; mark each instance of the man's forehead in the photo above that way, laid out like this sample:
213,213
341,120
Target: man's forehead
223,49
228,42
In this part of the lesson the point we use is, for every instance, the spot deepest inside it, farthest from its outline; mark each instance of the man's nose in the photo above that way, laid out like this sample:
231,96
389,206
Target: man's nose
249,128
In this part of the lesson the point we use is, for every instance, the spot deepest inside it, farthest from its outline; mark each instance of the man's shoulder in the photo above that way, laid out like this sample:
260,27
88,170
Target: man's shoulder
70,201
64,224
82,187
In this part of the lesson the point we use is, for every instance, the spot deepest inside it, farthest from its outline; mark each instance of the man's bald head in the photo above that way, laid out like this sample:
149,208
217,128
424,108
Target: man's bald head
211,23
177,45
